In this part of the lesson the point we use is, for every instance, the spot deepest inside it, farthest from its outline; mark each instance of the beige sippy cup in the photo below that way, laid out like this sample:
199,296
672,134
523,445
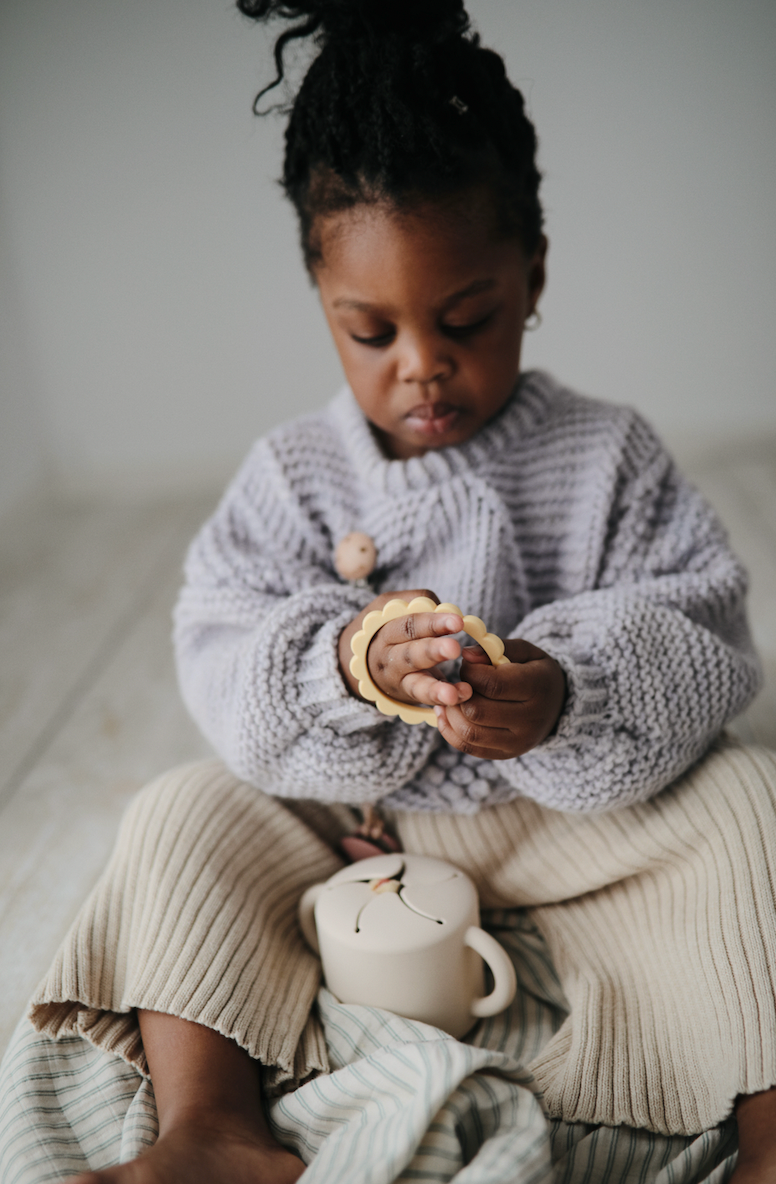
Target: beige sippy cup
402,932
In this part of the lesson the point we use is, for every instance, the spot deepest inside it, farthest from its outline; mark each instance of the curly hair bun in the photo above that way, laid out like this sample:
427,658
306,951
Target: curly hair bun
401,101
428,20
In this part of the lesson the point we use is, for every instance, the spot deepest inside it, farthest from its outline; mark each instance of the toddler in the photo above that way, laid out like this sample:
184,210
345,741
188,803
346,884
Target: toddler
584,781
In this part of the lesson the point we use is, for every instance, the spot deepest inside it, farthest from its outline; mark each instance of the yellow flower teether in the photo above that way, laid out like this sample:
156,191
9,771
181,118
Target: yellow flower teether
411,713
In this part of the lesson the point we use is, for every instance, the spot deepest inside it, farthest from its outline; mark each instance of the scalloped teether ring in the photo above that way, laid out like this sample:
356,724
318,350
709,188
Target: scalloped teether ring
410,713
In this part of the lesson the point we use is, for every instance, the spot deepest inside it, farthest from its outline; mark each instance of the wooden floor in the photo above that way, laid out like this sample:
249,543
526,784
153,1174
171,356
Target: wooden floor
88,705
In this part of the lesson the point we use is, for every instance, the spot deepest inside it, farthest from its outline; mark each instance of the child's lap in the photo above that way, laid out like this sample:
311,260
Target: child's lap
402,1098
584,879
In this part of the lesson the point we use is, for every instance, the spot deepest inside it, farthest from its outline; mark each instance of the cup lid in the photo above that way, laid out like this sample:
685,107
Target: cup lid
395,903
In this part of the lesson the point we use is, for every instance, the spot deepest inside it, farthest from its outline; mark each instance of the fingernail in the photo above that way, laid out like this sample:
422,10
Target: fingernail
438,711
451,623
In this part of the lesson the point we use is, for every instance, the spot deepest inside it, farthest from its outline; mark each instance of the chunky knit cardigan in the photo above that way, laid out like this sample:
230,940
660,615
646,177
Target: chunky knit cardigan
563,522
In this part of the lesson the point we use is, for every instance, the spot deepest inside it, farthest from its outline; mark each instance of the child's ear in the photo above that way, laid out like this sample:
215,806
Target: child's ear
537,270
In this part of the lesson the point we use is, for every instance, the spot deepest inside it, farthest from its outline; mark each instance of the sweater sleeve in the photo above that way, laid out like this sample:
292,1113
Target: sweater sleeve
256,628
657,656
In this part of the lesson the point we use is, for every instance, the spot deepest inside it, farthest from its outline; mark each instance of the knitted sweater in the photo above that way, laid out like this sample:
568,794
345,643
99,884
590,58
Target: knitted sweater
563,522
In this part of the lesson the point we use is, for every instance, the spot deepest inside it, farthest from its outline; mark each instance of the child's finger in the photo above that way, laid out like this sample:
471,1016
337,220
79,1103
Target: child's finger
475,654
423,688
393,663
423,654
519,650
516,682
491,713
390,662
415,626
490,744
478,738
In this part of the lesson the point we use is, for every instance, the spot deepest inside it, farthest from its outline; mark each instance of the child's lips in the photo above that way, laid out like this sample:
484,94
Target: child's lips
432,419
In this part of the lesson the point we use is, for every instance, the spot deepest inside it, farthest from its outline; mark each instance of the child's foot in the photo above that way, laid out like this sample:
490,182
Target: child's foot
372,825
196,1155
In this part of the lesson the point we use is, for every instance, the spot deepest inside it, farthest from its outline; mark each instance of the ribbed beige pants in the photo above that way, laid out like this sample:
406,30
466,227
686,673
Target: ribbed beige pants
660,918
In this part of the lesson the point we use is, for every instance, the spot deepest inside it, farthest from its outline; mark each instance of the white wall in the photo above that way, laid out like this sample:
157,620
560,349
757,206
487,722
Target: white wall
23,467
658,131
162,315
158,272
23,460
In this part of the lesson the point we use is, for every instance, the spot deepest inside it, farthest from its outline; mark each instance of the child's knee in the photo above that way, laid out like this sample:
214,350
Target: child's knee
201,820
202,796
187,786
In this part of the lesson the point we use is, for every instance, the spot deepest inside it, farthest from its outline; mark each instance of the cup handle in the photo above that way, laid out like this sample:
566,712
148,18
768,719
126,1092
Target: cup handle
306,916
505,980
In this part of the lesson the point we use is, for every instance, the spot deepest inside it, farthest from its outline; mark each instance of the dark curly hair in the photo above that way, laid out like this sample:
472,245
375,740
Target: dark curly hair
401,104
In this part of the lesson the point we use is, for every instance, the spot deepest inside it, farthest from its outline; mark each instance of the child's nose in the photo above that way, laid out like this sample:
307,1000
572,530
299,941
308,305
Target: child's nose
423,360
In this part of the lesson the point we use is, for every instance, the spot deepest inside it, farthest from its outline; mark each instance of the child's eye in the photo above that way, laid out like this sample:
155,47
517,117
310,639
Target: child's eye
467,330
376,341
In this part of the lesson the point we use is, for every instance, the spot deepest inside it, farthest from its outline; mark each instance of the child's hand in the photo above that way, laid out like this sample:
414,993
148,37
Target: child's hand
512,708
403,654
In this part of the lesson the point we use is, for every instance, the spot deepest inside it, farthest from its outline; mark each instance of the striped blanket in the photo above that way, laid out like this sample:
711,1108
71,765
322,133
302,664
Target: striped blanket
404,1102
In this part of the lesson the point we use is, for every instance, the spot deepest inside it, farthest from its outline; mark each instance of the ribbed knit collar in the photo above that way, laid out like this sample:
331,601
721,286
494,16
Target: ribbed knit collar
520,414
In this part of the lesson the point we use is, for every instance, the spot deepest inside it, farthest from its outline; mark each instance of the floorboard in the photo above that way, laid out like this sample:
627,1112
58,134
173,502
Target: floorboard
75,578
113,719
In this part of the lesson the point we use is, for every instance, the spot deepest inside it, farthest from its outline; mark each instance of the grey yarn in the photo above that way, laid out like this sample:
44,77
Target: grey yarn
563,521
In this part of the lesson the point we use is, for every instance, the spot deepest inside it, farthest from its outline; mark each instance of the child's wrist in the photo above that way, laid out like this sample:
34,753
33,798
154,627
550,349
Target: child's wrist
345,653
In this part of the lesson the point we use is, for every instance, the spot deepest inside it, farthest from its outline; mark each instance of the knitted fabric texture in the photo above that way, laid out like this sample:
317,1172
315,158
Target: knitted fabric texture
563,522
660,920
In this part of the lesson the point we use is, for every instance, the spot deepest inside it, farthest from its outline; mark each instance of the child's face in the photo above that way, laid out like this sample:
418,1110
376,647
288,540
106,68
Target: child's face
427,312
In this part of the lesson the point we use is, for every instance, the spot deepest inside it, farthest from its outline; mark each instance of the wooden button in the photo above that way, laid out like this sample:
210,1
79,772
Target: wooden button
355,556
